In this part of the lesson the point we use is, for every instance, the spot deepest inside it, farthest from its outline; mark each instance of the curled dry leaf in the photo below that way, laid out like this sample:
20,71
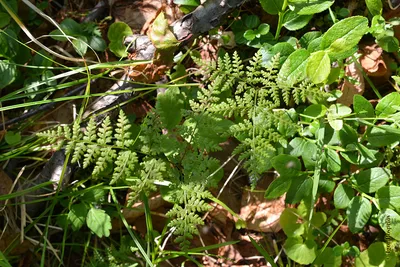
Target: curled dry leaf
372,60
353,84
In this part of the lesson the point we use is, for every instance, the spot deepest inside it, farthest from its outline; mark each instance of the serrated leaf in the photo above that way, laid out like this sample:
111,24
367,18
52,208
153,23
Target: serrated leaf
374,6
293,69
342,196
371,180
388,197
318,67
99,222
116,34
77,216
388,105
344,35
358,213
389,220
293,21
169,106
303,253
310,7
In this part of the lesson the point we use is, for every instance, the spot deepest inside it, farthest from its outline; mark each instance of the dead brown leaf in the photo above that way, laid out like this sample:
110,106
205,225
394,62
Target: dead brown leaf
354,84
372,60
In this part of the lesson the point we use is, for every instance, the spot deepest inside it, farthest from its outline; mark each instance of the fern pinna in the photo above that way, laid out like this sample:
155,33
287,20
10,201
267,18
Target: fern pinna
253,96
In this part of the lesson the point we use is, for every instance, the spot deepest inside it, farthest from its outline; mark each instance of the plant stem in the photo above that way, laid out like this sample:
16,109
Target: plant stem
280,20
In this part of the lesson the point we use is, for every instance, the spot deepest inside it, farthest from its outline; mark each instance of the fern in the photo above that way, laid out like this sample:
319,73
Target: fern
252,96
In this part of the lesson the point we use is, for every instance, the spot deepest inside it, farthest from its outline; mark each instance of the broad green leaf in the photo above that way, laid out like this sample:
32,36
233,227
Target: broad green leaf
344,35
286,165
388,197
249,35
296,146
333,160
363,107
336,112
283,48
383,135
194,3
328,258
371,180
251,21
389,43
342,196
94,195
318,219
389,220
8,72
293,69
77,216
116,34
12,138
4,19
376,256
315,45
288,221
309,154
169,105
315,111
97,43
80,45
278,187
348,135
326,184
263,29
358,213
374,6
272,7
303,253
299,189
293,21
318,67
310,7
99,222
308,37
160,34
388,105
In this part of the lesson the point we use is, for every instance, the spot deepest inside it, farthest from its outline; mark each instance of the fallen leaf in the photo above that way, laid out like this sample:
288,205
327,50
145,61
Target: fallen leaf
372,60
353,84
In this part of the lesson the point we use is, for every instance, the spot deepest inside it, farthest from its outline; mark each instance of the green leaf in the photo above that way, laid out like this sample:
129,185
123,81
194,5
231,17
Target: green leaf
293,69
194,3
388,105
293,21
389,43
299,189
77,216
362,107
288,221
284,49
263,29
4,19
8,72
93,195
335,115
344,35
318,67
308,37
328,258
272,7
116,34
80,45
358,213
374,7
376,255
286,165
97,43
333,160
251,21
388,197
309,154
71,27
296,146
12,138
383,135
371,180
278,187
342,196
315,111
161,35
99,222
389,220
249,35
310,7
303,253
169,105
318,219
